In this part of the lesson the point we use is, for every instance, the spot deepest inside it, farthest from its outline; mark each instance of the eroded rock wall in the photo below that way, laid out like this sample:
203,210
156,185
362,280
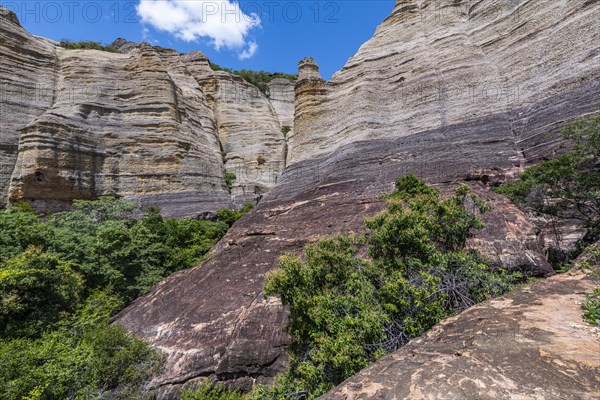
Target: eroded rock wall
498,74
148,124
248,126
451,91
27,88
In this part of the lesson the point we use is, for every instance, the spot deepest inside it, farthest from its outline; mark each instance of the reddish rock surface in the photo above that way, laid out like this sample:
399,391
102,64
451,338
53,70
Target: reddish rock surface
530,344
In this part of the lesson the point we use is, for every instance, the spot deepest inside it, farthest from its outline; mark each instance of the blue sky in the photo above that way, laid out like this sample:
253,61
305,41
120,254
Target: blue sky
272,35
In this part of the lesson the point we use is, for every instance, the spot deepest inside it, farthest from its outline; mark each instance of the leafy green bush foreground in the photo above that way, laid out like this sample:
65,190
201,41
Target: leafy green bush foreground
347,311
64,275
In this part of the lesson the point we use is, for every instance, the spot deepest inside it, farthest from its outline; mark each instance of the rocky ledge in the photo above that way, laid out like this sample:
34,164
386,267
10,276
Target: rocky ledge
530,344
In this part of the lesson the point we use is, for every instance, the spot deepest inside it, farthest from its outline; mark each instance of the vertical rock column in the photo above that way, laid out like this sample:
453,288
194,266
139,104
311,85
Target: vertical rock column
310,92
248,127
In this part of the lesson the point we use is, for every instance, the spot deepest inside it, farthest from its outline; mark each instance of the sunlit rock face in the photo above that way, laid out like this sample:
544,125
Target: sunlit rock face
507,348
27,80
248,126
453,92
142,124
496,75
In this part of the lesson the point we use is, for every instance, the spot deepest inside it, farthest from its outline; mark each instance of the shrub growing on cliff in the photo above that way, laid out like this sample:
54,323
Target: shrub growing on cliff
568,186
260,79
347,311
86,45
229,179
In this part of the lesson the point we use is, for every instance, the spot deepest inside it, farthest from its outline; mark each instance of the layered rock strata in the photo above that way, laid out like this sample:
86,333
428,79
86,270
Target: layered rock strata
248,125
27,79
450,91
143,125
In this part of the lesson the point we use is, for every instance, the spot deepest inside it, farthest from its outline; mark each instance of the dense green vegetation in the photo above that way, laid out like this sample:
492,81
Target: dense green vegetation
567,186
260,79
589,262
347,311
83,357
208,391
107,245
63,276
230,179
86,45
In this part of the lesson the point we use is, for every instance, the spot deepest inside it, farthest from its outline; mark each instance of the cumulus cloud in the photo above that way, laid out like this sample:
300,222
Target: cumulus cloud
222,22
249,52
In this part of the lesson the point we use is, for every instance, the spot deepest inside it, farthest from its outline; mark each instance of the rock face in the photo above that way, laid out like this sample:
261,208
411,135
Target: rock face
148,125
249,127
531,344
466,76
509,240
27,79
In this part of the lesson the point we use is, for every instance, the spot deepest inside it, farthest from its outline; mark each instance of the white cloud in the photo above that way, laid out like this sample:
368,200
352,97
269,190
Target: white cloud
249,52
222,22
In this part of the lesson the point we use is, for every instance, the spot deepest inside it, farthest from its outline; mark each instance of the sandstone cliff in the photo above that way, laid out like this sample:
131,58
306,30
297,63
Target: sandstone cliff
149,125
449,91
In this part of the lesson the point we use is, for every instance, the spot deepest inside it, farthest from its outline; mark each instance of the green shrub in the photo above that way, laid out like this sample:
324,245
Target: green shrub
20,228
591,307
229,216
63,276
103,242
210,391
260,79
229,179
285,130
84,358
86,45
36,291
347,311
